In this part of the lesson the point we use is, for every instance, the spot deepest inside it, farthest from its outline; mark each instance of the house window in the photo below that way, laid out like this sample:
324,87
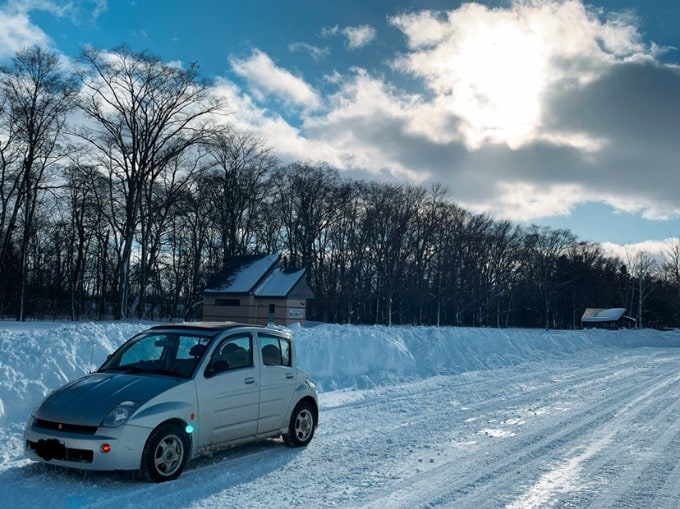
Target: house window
272,309
227,302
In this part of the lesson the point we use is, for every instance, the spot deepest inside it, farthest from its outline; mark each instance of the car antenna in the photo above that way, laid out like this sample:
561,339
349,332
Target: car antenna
91,354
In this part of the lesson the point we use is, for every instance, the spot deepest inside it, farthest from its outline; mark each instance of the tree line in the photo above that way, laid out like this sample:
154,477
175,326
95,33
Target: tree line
123,189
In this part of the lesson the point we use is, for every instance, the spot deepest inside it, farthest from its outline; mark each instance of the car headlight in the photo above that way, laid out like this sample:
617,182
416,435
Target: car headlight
120,414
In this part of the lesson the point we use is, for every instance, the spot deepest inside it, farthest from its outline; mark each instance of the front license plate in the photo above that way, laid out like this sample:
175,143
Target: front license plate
51,449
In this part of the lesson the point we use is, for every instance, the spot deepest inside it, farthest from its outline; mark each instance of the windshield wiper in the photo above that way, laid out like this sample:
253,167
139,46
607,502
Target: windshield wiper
123,369
170,372
133,369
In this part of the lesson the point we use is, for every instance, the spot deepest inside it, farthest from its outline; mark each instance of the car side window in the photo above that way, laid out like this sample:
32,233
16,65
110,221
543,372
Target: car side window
232,353
189,353
275,350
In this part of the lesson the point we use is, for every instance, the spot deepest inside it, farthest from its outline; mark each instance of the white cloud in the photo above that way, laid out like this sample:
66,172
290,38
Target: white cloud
76,10
363,116
315,52
356,37
649,209
287,142
266,79
18,33
658,250
620,36
370,125
524,201
359,36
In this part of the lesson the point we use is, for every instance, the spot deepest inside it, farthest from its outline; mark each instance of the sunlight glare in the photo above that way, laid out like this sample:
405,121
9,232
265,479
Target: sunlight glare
499,74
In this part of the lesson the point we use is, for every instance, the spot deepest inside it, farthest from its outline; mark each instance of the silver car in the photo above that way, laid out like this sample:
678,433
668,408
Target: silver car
172,393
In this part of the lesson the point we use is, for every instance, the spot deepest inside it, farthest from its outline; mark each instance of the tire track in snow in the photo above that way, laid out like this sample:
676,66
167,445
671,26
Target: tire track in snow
534,451
568,475
610,450
648,448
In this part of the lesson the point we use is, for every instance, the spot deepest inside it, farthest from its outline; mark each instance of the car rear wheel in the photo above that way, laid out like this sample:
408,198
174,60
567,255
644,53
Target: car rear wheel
165,453
301,426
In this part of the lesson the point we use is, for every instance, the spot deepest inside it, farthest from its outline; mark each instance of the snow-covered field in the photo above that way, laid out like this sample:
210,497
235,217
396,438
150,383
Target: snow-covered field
411,417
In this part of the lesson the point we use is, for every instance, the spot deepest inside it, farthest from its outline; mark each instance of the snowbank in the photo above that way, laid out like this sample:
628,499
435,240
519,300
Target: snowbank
36,358
341,356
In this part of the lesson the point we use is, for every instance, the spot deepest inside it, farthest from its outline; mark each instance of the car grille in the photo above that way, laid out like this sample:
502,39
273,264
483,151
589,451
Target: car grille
60,426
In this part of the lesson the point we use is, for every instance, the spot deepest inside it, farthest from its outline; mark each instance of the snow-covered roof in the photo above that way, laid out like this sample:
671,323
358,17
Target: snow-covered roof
259,275
279,283
602,314
242,274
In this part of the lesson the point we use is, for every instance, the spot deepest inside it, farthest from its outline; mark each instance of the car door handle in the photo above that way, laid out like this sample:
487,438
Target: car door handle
290,376
250,380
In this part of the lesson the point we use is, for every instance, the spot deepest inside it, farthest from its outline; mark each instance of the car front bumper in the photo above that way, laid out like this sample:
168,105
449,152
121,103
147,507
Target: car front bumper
86,451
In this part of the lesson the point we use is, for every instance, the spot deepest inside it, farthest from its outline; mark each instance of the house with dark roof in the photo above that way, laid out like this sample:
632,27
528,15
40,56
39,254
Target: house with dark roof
257,289
606,318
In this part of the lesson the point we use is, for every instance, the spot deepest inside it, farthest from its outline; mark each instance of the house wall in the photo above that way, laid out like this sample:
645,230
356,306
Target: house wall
248,309
610,324
234,308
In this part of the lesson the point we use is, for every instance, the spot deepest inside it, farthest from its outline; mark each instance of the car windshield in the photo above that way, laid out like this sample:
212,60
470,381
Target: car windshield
165,353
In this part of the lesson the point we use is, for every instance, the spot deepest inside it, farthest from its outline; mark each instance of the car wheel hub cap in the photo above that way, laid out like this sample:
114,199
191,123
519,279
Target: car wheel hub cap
303,425
169,455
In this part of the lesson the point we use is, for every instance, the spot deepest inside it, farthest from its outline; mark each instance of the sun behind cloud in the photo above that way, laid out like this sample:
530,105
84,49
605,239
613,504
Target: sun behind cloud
492,67
498,74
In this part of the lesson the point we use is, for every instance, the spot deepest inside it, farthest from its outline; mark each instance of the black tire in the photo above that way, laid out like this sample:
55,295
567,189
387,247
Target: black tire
301,426
165,454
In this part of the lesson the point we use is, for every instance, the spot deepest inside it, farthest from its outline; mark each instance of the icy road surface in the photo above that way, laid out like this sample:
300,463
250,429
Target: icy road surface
585,430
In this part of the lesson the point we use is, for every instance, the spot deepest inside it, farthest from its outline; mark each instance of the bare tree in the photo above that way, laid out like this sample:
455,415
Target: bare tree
144,114
85,216
642,267
543,248
10,197
390,210
500,267
192,257
236,185
671,264
305,202
38,96
159,206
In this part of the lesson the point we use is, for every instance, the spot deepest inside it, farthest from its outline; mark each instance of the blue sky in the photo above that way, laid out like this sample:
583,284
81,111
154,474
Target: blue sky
554,112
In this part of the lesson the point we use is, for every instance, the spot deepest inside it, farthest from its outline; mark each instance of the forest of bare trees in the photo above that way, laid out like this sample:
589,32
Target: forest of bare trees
123,189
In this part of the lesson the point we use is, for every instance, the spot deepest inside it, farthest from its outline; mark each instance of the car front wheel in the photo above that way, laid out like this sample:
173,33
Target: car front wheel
165,453
301,426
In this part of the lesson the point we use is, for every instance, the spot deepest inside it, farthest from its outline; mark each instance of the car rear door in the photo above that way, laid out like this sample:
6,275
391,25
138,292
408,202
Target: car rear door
228,391
277,381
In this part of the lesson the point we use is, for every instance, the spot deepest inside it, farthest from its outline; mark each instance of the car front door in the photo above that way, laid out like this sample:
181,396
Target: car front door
228,392
277,381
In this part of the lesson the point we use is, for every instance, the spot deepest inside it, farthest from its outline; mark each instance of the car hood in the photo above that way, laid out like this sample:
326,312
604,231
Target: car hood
87,400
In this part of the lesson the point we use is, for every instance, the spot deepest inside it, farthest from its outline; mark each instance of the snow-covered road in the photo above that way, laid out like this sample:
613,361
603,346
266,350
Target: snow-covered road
583,430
